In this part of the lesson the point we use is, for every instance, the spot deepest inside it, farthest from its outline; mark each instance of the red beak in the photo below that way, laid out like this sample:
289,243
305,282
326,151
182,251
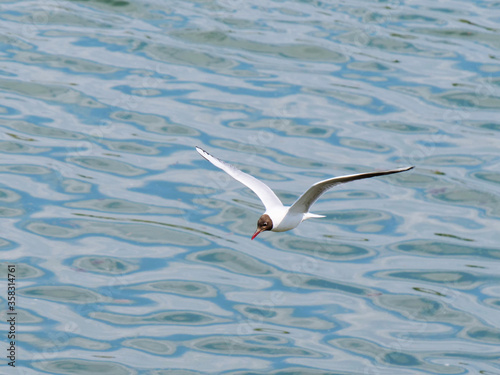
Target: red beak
256,233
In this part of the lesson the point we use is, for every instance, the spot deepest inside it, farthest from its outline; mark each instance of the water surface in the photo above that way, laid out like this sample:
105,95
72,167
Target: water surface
133,253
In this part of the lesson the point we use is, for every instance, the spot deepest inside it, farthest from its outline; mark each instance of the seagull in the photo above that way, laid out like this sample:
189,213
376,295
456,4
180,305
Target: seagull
280,218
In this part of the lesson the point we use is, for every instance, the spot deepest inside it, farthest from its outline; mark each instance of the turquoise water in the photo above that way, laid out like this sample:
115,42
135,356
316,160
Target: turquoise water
133,254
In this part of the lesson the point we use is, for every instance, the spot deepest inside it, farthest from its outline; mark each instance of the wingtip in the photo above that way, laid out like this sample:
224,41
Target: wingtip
201,151
404,169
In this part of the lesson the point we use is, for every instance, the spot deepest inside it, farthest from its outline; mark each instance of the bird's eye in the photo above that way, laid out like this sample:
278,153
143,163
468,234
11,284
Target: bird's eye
264,225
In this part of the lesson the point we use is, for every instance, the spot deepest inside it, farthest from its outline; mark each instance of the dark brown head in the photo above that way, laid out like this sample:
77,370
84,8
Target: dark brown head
264,223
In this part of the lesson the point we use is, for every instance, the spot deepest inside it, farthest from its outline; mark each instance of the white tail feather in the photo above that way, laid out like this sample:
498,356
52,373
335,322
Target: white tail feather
311,216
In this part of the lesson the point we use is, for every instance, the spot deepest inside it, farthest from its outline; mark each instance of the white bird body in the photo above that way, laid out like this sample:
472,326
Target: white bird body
284,220
280,218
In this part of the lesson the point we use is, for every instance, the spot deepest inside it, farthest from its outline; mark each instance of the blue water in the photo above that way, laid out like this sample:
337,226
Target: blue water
133,254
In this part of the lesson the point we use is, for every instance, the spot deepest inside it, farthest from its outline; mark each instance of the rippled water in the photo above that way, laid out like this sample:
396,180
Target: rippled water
133,253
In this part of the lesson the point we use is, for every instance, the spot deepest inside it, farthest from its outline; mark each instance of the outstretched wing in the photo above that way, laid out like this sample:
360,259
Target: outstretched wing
266,195
307,199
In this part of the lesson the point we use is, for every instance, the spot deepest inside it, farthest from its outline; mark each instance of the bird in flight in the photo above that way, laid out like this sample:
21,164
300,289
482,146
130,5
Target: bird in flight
280,218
